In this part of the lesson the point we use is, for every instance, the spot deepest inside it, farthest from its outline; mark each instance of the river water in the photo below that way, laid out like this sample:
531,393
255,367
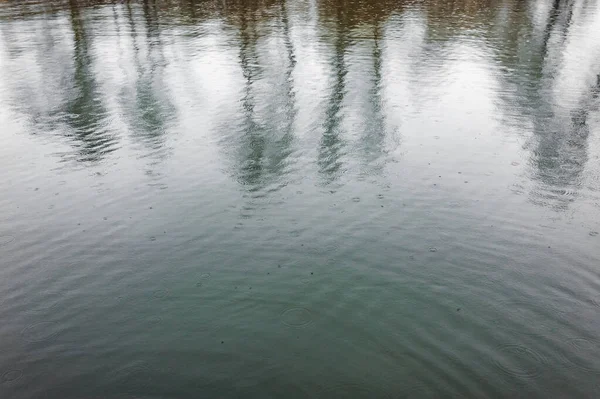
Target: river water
336,198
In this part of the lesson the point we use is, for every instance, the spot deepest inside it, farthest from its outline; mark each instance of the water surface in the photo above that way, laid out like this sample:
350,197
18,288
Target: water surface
313,198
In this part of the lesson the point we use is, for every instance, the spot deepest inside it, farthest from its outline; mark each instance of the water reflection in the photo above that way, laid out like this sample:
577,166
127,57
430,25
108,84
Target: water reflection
127,60
266,131
369,149
251,162
332,145
150,110
373,139
565,96
86,115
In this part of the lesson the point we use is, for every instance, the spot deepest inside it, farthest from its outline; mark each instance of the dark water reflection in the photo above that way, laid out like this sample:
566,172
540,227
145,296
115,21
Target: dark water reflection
302,199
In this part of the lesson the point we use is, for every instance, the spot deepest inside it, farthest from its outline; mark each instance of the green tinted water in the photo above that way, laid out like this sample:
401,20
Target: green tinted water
299,199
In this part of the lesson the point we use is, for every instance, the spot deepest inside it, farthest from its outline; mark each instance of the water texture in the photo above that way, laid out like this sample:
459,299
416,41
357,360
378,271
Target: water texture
300,199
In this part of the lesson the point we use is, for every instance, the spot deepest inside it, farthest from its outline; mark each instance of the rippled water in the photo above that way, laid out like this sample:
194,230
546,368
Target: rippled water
298,199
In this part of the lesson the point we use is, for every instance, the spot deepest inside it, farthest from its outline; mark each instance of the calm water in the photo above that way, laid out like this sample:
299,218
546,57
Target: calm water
259,199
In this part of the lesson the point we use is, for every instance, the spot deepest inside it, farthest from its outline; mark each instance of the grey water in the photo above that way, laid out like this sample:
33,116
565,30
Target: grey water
300,199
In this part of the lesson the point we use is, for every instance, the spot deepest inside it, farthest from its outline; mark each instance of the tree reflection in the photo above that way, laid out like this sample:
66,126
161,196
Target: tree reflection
331,146
535,61
267,128
85,112
531,59
373,140
153,109
41,97
562,130
290,104
54,82
252,164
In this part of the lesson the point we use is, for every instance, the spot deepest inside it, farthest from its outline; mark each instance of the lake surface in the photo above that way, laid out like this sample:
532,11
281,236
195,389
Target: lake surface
264,199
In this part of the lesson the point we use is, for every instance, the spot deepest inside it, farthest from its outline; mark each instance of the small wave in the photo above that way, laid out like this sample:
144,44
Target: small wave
351,391
582,354
11,376
4,240
519,361
296,317
39,332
